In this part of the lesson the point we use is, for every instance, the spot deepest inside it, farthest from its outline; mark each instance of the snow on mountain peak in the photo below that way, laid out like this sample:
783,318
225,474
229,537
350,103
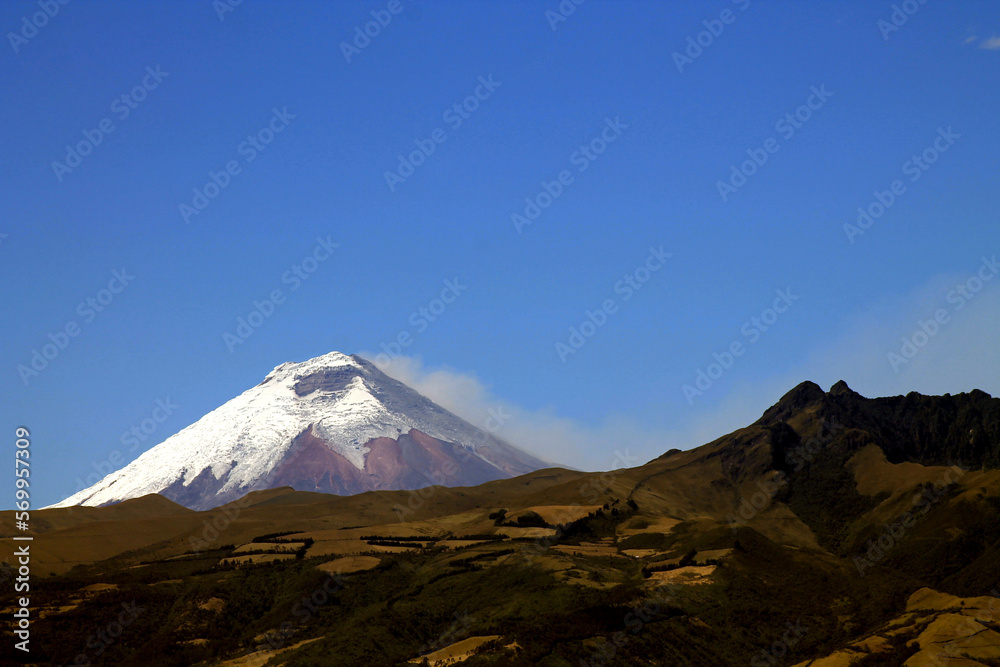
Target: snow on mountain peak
330,360
345,401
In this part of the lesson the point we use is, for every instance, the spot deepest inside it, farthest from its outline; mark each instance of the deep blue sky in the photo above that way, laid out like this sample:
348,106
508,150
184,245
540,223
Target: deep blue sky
656,184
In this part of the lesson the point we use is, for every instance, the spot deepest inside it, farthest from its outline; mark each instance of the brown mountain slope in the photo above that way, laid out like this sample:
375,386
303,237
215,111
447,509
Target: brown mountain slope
796,536
936,630
783,476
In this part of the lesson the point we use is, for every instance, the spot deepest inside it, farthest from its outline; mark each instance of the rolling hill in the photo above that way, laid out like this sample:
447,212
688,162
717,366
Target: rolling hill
834,530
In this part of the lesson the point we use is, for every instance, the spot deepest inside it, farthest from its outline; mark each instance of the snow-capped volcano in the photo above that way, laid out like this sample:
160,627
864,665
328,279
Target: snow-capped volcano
334,424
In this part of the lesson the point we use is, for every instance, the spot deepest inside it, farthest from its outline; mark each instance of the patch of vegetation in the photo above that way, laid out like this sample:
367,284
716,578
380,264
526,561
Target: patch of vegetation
395,543
489,555
529,520
274,537
409,538
481,537
823,493
602,523
657,541
639,523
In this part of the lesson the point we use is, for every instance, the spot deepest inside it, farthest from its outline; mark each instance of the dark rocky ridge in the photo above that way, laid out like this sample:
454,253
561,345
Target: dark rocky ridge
330,379
930,430
831,427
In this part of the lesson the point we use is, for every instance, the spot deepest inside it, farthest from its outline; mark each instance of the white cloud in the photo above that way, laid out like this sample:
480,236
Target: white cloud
991,44
961,356
541,432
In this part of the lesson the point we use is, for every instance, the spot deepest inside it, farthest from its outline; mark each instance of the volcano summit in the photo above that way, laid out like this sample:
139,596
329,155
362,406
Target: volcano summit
333,424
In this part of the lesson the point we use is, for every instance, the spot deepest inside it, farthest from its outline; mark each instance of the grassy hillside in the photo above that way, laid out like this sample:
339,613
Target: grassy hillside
782,542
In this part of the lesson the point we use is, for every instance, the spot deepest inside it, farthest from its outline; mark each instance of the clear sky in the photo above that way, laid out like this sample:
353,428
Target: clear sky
201,152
